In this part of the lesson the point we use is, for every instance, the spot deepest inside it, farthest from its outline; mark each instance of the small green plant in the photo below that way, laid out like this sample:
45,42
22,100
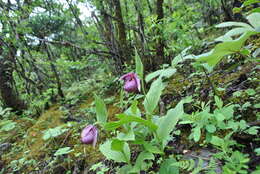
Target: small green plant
54,132
7,125
5,112
151,133
222,118
99,168
63,151
236,163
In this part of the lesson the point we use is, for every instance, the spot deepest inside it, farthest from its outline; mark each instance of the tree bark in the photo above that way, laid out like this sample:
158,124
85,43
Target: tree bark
160,42
227,11
123,46
108,34
149,6
9,97
55,72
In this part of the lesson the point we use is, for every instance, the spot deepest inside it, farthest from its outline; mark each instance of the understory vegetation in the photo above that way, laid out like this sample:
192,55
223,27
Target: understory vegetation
129,86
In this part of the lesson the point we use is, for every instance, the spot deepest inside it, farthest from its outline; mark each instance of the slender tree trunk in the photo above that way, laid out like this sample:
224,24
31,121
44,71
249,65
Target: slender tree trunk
150,7
123,46
55,72
107,32
79,22
140,20
227,11
141,38
160,42
9,97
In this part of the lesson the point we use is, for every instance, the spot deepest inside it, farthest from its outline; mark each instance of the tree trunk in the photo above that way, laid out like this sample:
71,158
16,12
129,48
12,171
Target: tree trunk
227,11
123,46
160,42
108,34
55,72
9,96
150,7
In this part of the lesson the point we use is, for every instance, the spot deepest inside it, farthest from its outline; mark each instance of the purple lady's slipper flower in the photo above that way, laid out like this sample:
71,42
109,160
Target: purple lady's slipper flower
89,135
132,82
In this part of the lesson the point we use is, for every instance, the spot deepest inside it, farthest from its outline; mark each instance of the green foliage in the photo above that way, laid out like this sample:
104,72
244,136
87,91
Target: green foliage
169,166
58,57
153,96
54,132
7,125
257,150
136,130
63,151
167,123
246,4
222,118
101,110
5,112
124,119
99,168
140,163
237,163
120,155
230,46
139,68
168,72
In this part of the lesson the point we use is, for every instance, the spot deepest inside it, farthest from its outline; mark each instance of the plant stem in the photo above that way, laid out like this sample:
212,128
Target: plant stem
210,82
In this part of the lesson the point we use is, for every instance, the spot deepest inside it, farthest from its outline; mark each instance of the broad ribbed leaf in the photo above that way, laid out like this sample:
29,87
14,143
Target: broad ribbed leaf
196,134
129,136
168,72
254,20
182,56
101,110
249,2
117,145
63,151
161,73
124,119
169,166
223,49
139,68
237,31
153,75
168,122
140,161
152,148
153,96
106,150
234,24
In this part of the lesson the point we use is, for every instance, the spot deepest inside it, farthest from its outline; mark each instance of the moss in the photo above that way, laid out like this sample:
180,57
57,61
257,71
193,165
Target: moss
87,103
112,111
33,142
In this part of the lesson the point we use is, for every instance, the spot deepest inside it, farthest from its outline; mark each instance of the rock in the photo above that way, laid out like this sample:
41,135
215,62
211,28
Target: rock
4,147
204,154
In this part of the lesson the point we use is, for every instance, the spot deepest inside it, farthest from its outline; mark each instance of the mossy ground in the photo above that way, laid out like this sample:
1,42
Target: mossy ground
33,147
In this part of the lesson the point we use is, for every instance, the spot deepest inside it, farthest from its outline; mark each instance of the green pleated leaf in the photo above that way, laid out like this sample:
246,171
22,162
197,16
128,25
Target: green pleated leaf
139,68
223,49
106,150
124,119
254,19
101,110
140,161
153,96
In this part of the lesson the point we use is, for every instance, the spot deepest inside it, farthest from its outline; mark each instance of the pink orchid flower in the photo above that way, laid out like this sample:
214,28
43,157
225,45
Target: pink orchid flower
132,82
89,135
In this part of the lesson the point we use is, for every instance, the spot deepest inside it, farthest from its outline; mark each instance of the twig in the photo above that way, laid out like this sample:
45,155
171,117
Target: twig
65,139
